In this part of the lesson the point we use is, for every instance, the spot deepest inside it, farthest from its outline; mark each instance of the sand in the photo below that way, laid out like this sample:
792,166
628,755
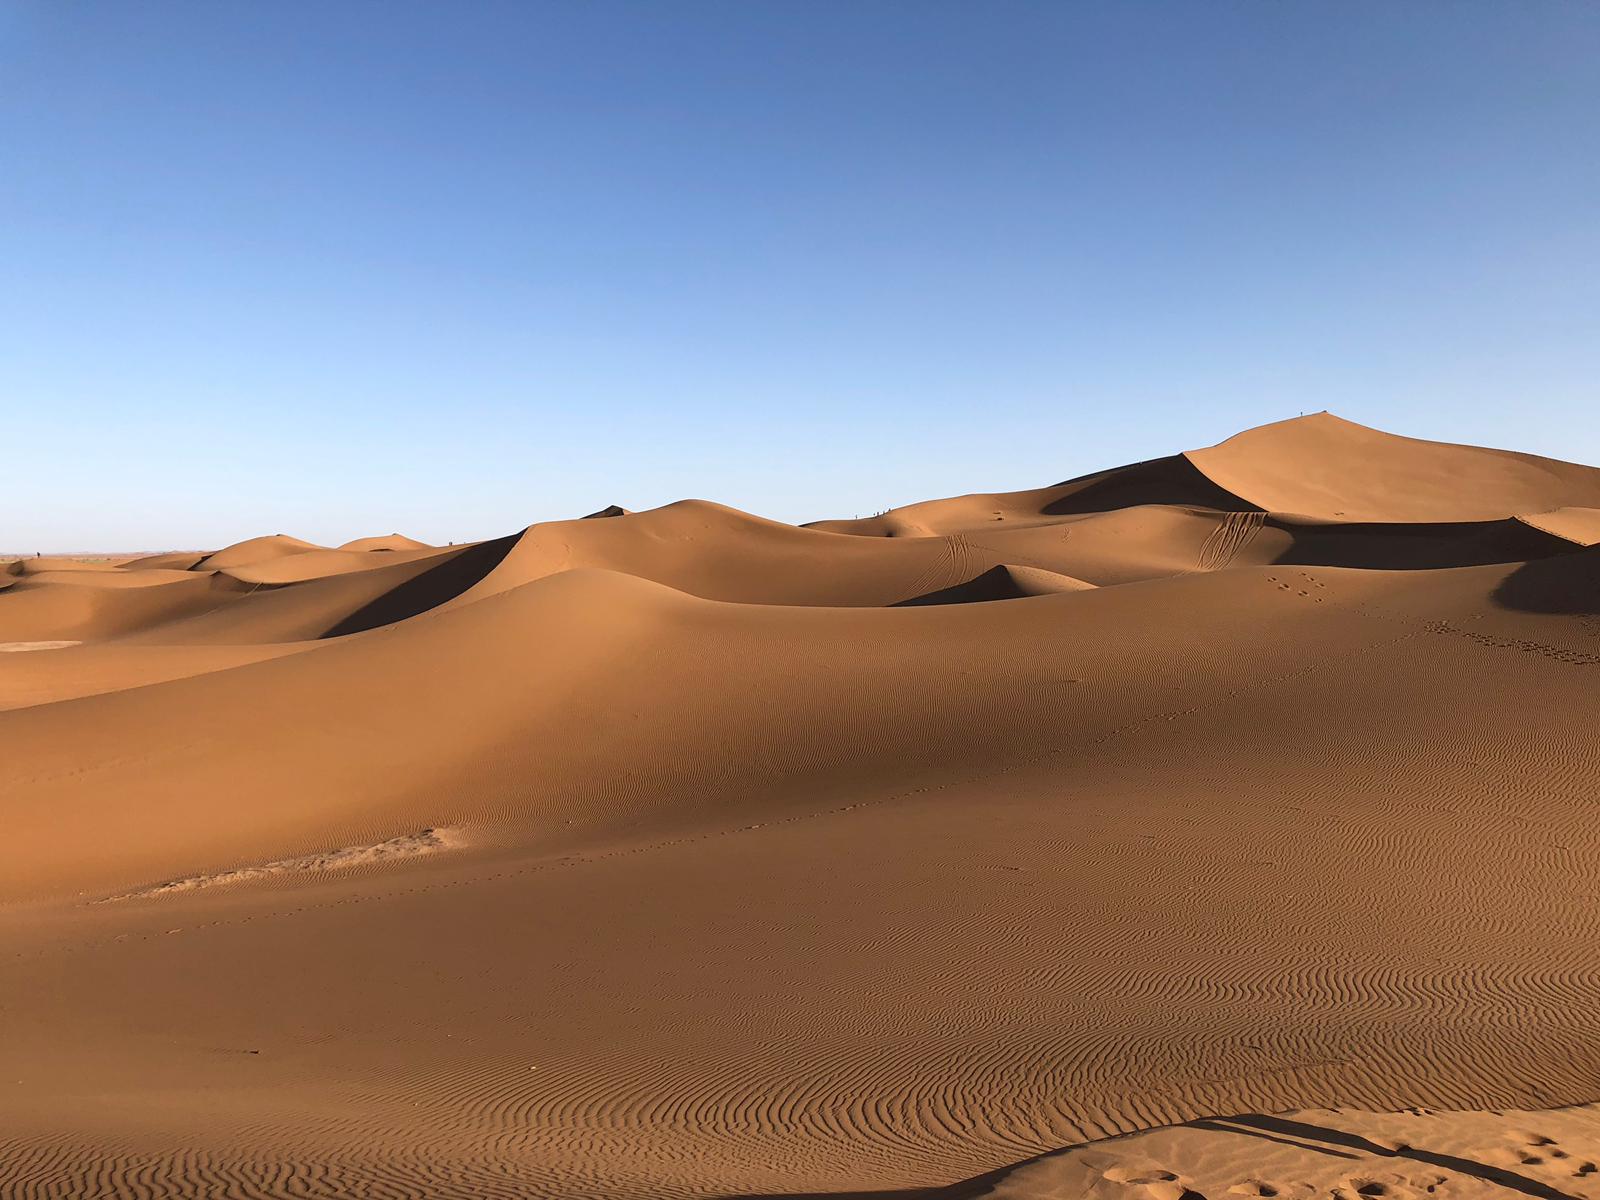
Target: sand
1218,825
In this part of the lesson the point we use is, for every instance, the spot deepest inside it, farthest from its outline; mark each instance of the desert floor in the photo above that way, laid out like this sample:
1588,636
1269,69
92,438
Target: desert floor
1223,824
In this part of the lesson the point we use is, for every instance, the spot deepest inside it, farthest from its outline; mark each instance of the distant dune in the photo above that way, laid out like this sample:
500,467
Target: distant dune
1217,825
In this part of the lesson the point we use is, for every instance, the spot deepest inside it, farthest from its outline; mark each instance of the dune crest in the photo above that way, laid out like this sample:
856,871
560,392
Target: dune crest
388,541
1327,467
255,550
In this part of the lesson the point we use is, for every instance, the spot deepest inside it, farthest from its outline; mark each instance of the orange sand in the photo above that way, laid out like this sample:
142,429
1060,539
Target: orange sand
684,852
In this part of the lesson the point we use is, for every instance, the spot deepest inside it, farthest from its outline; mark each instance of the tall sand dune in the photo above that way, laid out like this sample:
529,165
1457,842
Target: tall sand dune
255,550
1323,466
387,541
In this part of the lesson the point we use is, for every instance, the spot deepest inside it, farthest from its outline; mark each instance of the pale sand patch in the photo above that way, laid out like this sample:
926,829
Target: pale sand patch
407,846
22,647
1346,1154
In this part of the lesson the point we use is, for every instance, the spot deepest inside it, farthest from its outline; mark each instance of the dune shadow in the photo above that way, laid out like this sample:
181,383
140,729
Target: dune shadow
1219,1126
994,584
1568,585
435,586
1172,480
1420,546
1001,582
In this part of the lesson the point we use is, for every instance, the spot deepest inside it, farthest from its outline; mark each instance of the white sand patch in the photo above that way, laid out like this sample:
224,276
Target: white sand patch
21,647
408,846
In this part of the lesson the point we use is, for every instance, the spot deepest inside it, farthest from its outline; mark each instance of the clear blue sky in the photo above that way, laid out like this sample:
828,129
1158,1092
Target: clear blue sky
449,268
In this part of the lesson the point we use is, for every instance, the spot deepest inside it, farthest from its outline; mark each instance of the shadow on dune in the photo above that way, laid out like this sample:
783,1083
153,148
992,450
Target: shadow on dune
1173,480
1416,547
1003,582
994,584
1569,585
435,586
1284,1131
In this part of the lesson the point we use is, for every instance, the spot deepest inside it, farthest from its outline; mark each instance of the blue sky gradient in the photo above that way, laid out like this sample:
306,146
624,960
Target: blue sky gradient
447,269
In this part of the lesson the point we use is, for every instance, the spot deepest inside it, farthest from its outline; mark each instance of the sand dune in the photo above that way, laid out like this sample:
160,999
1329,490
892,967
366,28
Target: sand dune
178,560
1005,582
388,541
51,564
83,576
1580,526
1323,466
256,549
80,608
1172,481
1171,832
319,564
1320,467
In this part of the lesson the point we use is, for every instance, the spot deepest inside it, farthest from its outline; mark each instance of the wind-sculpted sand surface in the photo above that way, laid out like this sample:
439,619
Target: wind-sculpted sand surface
1219,825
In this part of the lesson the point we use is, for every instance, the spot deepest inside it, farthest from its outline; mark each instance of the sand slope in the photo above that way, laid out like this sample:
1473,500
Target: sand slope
1342,1154
1323,466
687,853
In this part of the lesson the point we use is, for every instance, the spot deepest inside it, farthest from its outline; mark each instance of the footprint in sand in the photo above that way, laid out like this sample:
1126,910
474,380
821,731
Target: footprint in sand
1531,1155
1157,1184
1373,1188
1138,1175
1253,1187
